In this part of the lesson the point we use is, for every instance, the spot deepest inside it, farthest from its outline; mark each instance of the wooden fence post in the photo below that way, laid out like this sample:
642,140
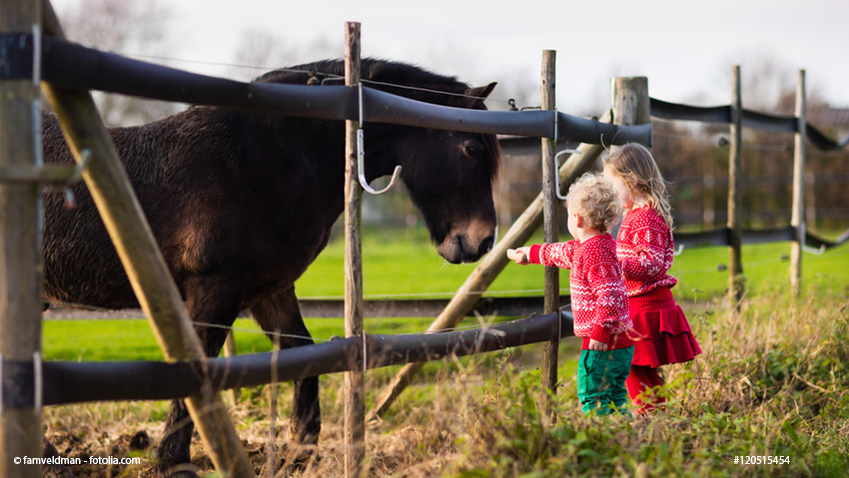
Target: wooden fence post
798,218
146,269
735,234
631,104
20,256
551,225
354,380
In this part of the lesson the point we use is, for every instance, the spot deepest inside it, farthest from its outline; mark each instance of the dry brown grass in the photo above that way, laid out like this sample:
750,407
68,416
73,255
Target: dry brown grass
772,380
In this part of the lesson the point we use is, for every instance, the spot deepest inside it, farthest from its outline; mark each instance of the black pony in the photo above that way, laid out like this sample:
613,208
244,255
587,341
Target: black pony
241,204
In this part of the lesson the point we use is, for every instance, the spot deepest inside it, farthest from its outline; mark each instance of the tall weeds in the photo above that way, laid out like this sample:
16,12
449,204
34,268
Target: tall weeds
773,380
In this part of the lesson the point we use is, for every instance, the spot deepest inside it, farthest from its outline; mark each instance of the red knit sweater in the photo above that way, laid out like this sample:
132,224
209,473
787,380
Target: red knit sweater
599,298
644,249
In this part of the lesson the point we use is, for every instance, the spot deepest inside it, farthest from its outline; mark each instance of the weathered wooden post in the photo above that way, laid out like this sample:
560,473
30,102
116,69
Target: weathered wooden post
20,257
631,104
551,230
146,269
735,234
354,380
798,218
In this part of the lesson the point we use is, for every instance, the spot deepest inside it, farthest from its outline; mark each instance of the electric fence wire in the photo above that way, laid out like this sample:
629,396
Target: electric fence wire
510,102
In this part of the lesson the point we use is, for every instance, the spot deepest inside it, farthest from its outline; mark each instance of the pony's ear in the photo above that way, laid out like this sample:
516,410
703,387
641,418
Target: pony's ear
481,91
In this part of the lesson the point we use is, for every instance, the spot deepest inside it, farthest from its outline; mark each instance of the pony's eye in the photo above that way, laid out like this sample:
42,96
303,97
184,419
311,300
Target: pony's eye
472,150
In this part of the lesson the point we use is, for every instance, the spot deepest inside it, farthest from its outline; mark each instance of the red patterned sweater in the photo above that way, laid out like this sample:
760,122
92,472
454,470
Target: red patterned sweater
599,298
644,249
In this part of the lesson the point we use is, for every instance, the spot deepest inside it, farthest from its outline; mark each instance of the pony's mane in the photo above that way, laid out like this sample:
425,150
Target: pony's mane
380,71
425,86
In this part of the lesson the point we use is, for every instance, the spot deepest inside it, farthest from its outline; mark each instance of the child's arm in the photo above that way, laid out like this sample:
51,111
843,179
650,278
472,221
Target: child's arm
644,256
558,254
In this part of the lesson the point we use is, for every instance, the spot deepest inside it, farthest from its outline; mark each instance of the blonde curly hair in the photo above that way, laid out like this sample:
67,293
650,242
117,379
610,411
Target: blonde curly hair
593,198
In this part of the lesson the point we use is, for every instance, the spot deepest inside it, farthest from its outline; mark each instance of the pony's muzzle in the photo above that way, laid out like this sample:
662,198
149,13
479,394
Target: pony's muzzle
458,248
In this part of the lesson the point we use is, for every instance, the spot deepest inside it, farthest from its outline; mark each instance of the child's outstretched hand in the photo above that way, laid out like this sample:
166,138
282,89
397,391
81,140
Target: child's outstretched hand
520,255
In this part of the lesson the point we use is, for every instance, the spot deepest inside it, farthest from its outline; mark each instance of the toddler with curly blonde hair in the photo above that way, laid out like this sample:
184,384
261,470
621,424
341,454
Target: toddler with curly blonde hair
598,294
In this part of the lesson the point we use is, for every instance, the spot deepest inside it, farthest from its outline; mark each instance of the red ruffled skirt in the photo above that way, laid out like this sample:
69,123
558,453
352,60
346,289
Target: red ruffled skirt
661,330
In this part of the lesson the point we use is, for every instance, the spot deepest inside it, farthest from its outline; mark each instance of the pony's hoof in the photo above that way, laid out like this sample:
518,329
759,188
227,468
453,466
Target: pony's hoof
297,460
179,471
56,471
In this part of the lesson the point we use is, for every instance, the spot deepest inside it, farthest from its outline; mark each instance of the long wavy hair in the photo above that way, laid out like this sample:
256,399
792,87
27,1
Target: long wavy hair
636,167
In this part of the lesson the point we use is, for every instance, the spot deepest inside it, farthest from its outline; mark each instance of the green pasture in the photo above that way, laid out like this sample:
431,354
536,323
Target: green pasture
772,380
401,264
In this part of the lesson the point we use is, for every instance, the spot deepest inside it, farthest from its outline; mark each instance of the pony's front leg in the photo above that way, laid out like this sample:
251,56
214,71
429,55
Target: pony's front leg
208,301
175,460
280,317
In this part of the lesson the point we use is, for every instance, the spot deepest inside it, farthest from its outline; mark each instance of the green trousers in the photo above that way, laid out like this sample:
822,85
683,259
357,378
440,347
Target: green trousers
601,380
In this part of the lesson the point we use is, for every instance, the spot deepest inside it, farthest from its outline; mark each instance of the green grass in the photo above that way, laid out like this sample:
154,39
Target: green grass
755,391
772,380
403,263
399,263
132,339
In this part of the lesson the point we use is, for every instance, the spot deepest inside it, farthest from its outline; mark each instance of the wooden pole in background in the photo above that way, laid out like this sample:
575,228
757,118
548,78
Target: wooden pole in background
20,254
551,230
735,233
798,218
146,269
354,380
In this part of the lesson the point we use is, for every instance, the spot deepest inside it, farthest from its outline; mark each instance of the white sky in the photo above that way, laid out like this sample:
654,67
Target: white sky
686,48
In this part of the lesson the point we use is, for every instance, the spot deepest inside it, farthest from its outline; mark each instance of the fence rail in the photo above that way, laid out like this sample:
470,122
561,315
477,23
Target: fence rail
721,237
80,68
751,119
72,382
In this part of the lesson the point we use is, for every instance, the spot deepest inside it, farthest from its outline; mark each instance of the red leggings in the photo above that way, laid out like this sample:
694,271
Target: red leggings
642,380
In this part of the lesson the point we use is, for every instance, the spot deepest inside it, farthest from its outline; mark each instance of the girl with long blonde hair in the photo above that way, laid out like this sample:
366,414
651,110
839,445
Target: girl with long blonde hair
644,248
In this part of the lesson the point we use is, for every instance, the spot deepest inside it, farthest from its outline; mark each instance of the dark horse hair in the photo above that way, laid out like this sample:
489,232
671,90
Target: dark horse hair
242,203
397,78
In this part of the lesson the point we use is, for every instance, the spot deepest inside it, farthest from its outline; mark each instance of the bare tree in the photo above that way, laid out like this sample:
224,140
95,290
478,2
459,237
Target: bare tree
127,28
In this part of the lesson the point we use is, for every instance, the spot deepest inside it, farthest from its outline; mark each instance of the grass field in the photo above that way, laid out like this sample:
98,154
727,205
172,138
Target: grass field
773,380
403,264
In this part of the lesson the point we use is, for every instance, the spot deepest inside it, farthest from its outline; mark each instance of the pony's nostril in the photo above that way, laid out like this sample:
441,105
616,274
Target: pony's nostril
486,245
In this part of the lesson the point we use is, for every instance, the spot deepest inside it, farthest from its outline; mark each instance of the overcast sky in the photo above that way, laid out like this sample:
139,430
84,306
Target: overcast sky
686,48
